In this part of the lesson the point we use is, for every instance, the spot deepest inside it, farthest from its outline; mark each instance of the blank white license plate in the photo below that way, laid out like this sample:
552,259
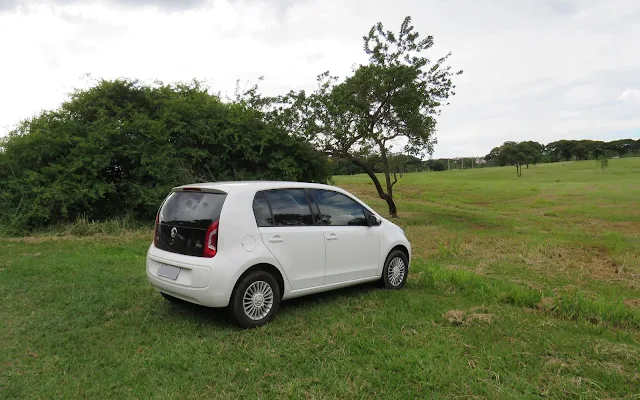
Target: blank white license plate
169,271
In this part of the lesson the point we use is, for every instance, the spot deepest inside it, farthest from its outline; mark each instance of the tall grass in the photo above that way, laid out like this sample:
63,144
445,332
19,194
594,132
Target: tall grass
82,226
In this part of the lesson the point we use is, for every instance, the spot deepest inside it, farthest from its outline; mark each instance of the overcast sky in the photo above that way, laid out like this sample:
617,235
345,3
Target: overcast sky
533,69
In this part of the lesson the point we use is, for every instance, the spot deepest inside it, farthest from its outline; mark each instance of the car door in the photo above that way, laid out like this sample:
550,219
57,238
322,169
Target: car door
288,230
352,247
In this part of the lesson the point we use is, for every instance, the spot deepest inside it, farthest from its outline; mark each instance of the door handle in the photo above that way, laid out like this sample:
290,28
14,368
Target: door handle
276,239
332,236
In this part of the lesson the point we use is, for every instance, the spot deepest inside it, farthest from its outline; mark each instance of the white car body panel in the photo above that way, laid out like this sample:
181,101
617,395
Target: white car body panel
300,251
352,253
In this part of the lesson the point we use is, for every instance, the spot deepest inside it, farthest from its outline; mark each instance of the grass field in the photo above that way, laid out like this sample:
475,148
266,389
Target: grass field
520,288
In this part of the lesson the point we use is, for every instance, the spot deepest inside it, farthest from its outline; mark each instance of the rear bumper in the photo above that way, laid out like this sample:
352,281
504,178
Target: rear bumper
205,281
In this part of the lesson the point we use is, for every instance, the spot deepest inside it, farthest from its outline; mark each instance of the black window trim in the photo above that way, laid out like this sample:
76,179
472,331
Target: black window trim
314,204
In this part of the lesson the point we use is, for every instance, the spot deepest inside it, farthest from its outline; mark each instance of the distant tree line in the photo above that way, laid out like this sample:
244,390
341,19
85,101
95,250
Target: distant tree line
527,153
401,163
566,150
516,154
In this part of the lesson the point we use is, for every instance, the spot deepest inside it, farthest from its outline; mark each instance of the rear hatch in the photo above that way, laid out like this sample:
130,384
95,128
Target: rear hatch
184,219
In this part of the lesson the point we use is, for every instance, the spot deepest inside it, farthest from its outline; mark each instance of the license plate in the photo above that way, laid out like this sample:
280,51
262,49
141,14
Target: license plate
169,271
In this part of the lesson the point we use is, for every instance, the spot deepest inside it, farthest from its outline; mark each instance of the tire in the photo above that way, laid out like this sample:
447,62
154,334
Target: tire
259,289
395,271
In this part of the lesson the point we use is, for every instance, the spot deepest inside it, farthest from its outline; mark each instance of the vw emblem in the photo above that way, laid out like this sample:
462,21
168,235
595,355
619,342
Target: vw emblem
174,232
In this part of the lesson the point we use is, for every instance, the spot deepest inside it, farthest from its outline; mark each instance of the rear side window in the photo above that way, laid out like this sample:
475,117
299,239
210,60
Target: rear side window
289,207
337,209
192,209
261,210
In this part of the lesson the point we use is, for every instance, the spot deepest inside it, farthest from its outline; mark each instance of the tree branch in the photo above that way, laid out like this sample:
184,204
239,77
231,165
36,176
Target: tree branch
369,171
376,115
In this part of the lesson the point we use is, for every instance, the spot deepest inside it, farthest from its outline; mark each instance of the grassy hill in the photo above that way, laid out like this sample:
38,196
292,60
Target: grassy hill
560,226
520,288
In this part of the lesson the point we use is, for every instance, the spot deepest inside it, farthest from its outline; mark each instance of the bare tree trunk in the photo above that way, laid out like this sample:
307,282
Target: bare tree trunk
387,174
393,211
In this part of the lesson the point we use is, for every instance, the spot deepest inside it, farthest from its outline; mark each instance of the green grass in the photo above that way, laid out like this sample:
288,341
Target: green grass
520,288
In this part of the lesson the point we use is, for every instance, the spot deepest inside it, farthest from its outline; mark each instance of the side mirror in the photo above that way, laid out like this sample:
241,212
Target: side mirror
374,220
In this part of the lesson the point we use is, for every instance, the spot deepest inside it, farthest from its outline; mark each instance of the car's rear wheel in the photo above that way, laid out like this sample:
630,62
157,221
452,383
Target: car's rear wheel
396,270
255,300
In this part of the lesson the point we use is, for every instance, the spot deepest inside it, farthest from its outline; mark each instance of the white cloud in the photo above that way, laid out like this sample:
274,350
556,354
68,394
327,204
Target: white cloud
630,95
534,69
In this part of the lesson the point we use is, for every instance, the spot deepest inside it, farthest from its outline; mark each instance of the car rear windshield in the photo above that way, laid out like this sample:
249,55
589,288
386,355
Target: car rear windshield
192,209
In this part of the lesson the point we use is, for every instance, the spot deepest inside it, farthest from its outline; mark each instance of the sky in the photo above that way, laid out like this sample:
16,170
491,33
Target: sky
538,70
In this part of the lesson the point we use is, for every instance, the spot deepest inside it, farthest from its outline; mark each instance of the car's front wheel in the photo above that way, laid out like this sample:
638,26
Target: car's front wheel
396,270
255,300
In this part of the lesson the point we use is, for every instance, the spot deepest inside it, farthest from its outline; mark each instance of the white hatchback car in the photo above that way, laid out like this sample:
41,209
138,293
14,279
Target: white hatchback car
248,245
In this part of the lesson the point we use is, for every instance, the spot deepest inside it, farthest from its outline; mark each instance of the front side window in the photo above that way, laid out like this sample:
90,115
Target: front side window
337,209
289,207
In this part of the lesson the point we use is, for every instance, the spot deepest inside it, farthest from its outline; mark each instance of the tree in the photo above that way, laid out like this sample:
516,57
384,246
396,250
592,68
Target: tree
580,151
516,154
536,152
562,150
603,162
493,155
511,154
528,153
596,149
397,94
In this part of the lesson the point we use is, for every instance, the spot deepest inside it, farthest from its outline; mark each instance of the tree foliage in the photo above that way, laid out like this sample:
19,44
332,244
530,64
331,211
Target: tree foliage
566,150
118,147
397,94
516,154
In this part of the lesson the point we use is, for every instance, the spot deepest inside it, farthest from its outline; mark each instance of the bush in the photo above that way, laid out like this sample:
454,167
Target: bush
117,149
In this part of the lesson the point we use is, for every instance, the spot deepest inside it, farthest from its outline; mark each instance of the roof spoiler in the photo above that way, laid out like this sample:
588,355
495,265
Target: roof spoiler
189,188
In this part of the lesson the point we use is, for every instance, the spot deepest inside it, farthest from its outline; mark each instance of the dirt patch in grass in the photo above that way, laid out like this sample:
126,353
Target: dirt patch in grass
612,367
617,351
598,226
571,261
634,303
546,304
459,317
555,362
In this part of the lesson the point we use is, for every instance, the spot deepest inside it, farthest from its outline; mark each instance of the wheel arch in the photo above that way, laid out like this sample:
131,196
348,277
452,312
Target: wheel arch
403,249
268,268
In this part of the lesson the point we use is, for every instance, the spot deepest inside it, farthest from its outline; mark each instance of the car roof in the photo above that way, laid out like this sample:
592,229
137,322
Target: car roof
255,186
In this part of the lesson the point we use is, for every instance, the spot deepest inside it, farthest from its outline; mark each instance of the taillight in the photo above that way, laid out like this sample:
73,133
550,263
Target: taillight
211,240
155,229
